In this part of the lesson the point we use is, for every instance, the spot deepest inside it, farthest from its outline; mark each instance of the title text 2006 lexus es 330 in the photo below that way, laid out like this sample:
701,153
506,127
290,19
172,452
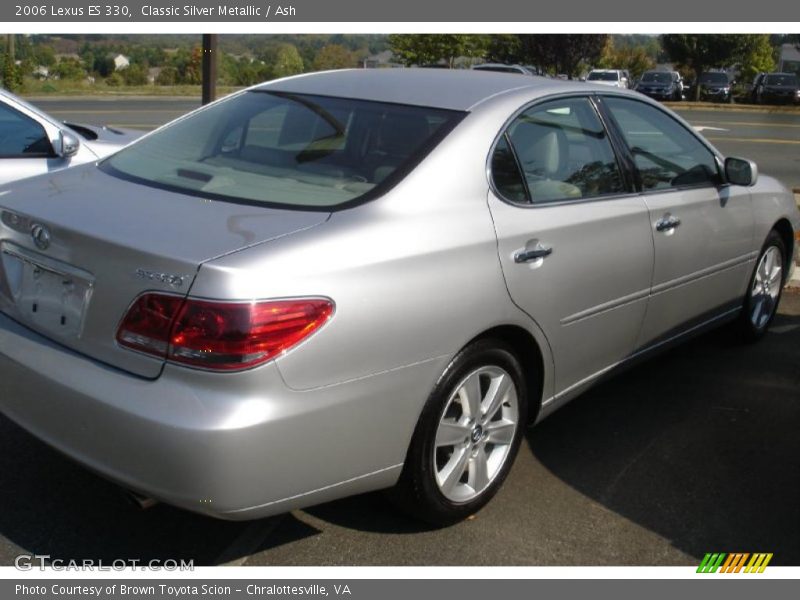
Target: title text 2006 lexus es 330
356,280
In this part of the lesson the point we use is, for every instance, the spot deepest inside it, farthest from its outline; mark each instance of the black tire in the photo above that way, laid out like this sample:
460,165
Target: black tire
750,327
418,492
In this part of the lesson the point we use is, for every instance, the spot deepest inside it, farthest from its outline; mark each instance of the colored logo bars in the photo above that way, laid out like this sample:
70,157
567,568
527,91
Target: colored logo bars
734,563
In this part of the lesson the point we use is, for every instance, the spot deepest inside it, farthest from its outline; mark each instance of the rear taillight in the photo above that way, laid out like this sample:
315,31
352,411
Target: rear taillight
223,336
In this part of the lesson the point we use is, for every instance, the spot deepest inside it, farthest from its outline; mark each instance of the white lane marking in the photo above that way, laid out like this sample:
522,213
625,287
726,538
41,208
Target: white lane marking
708,128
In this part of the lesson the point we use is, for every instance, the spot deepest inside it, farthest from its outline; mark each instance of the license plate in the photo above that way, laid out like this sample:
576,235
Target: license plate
48,295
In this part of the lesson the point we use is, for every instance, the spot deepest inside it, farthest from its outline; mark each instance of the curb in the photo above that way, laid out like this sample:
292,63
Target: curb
753,108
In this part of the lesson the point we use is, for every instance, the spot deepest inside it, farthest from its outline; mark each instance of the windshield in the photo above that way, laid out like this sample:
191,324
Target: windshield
286,149
657,78
784,80
603,76
714,78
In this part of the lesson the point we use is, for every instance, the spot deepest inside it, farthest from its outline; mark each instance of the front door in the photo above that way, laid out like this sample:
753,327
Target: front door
702,230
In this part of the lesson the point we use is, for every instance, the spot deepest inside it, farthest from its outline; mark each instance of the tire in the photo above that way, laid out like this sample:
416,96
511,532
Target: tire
765,289
456,462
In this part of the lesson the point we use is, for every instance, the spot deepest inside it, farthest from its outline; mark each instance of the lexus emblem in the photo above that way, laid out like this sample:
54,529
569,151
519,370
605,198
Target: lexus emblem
41,236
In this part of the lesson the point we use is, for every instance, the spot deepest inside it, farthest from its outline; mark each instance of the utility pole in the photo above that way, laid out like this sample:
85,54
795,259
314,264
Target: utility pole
209,82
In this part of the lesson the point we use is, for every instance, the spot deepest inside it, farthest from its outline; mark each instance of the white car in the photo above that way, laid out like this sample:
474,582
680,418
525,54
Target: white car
611,77
33,143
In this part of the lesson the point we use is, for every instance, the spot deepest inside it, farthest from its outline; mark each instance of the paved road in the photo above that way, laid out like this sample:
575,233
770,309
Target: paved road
692,452
771,139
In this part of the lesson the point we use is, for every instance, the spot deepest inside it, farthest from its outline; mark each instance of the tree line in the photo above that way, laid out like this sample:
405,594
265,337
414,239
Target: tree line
248,59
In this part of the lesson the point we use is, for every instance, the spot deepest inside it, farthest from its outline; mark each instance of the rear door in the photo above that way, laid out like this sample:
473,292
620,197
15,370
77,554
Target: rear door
702,229
574,240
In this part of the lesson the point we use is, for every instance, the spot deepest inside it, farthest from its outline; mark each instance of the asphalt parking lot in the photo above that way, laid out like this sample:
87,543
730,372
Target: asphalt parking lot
694,451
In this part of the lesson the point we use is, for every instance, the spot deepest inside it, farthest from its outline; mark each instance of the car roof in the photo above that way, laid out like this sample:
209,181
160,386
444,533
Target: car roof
454,89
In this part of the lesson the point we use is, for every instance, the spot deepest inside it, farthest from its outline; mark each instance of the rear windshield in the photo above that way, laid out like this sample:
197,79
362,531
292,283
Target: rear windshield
787,80
657,77
713,78
286,150
603,76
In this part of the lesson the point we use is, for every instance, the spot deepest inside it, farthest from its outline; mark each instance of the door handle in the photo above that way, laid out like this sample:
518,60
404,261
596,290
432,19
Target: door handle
668,223
537,252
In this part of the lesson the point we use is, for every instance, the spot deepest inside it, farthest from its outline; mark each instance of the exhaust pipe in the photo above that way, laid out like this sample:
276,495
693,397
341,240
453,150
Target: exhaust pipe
139,501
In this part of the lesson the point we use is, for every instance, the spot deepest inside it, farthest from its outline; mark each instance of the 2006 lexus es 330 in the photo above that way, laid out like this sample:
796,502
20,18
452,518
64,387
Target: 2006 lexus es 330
356,280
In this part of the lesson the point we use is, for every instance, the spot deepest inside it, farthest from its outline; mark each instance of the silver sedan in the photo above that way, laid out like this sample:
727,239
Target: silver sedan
356,280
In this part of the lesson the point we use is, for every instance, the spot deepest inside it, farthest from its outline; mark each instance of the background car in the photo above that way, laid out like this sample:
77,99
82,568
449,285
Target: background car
715,86
366,279
501,68
611,77
661,85
32,142
778,88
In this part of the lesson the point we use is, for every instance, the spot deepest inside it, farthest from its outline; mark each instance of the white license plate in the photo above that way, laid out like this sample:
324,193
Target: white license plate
49,295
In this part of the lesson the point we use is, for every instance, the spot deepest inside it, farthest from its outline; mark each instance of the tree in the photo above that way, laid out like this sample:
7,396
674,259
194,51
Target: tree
758,56
562,52
135,75
426,49
167,76
12,74
284,60
333,56
69,68
552,53
700,52
634,59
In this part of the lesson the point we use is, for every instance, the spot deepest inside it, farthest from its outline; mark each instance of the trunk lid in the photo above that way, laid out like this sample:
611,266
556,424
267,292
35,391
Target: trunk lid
78,247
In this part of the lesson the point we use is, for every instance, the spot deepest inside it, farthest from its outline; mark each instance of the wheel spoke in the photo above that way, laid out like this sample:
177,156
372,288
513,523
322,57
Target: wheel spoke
478,471
451,433
757,309
769,306
470,394
775,275
501,432
495,396
453,470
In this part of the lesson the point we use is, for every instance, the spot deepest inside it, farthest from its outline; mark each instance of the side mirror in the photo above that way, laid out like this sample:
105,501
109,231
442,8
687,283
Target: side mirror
740,171
68,144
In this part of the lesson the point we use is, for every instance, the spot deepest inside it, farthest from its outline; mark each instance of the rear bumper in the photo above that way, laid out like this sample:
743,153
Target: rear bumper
234,446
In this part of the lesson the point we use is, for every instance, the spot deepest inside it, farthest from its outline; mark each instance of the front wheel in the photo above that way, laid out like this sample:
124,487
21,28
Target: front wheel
764,292
467,436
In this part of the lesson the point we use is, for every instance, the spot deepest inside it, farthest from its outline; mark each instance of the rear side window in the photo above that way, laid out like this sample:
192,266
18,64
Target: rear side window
21,136
562,152
288,150
667,155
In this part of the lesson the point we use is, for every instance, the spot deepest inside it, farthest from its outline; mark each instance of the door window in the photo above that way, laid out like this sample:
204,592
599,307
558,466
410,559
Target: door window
562,153
667,155
21,136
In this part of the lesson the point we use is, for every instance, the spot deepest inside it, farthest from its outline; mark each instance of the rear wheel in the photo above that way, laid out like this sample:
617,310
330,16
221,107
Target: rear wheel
467,436
764,292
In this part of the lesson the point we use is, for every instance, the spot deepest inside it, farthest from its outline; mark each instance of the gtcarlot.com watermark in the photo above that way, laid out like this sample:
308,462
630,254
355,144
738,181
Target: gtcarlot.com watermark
28,562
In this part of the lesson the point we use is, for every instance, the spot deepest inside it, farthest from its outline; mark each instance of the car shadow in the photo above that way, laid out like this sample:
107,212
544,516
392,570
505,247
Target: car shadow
699,445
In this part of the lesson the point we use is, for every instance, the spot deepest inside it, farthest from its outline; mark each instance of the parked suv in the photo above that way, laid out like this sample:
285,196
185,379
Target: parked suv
778,88
661,85
715,87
